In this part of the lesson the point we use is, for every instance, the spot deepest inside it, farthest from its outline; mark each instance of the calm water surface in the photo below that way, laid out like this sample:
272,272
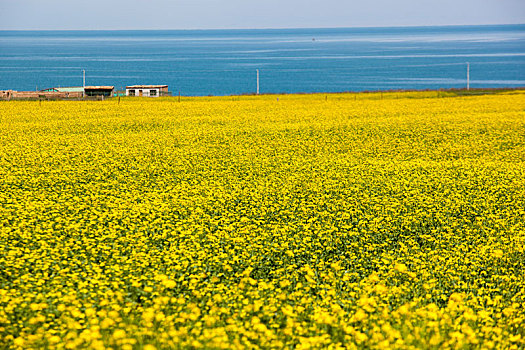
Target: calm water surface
222,62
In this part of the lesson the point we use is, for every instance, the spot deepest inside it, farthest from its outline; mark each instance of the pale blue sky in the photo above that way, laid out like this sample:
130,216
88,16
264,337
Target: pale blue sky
203,14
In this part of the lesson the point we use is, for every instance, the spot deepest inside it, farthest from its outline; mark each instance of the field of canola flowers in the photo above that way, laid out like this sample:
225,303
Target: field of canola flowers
346,221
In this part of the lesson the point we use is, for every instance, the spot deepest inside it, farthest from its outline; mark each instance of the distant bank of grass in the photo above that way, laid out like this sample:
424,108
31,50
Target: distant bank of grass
387,94
337,96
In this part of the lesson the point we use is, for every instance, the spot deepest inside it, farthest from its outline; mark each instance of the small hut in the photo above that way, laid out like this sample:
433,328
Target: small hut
106,91
147,90
63,92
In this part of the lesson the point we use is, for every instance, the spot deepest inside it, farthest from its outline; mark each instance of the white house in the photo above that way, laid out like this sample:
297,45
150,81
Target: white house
147,90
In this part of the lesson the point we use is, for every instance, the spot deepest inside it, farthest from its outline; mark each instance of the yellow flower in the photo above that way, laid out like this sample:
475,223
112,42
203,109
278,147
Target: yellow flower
19,341
360,315
498,253
169,283
119,334
54,339
400,267
515,338
107,322
456,297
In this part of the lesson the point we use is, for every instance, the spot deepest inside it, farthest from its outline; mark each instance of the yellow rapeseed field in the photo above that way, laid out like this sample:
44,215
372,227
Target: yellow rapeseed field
294,221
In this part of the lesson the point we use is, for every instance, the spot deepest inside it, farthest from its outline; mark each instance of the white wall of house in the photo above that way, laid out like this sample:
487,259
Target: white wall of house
143,92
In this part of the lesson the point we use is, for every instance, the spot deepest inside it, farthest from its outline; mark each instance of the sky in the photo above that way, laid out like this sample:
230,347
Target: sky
234,14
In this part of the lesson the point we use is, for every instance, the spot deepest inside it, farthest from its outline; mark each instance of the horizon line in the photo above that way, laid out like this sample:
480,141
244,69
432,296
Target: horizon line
269,28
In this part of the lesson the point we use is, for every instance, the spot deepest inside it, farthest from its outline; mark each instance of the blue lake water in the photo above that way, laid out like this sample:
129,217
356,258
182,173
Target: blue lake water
223,62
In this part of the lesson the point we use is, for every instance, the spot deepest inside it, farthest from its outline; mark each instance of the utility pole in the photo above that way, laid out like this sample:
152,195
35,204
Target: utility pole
257,82
83,82
468,76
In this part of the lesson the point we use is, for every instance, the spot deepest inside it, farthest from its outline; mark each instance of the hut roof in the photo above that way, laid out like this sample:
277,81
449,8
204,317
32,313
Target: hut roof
65,89
100,87
146,86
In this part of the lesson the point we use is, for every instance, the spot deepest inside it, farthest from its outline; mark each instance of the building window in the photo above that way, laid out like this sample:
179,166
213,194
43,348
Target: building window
131,92
153,92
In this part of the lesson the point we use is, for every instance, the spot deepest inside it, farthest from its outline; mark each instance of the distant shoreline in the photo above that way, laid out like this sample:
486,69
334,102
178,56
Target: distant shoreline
456,92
